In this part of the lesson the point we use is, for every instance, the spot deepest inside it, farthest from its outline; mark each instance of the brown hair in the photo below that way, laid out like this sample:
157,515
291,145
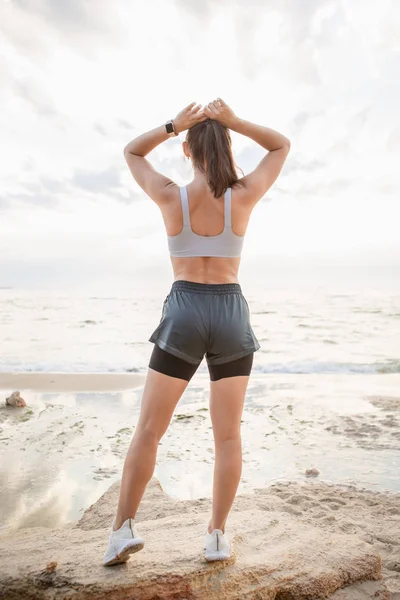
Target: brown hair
210,146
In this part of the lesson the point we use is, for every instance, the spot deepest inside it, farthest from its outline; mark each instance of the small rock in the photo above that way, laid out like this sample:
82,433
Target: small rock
312,472
51,566
15,400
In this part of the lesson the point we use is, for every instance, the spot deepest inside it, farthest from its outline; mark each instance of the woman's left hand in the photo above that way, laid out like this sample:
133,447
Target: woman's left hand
189,116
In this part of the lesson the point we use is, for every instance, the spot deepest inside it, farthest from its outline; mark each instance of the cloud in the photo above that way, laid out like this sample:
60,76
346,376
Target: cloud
52,184
39,200
266,33
76,23
393,141
28,89
303,166
302,118
100,181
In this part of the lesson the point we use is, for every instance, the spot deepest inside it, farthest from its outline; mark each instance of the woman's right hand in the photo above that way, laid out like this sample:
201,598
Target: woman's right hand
221,112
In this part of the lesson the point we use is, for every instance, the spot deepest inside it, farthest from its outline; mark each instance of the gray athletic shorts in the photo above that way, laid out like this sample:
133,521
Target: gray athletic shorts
211,319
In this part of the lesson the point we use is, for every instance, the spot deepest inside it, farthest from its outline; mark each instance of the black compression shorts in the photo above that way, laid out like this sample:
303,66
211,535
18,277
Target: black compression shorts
171,365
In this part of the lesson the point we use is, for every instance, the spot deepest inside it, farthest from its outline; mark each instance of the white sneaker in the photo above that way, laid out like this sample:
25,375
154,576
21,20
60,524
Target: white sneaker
216,546
122,542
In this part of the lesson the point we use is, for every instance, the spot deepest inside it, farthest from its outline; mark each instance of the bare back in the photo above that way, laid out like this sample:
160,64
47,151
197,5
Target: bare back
207,219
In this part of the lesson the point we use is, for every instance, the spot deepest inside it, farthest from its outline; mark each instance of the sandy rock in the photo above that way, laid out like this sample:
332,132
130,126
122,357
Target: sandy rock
15,400
363,591
373,517
295,562
276,555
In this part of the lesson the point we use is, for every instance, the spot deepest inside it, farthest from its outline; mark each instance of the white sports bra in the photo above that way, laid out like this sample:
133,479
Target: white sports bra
188,243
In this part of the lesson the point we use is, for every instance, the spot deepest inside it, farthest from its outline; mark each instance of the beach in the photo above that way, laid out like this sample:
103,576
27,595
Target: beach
66,448
323,396
68,444
71,382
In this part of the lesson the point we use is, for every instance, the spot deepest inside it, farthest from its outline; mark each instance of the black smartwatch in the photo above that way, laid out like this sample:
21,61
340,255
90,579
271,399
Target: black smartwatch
169,126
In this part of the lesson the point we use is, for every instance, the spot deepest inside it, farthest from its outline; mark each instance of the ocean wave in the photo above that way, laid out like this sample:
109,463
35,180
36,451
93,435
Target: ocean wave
294,368
312,367
390,366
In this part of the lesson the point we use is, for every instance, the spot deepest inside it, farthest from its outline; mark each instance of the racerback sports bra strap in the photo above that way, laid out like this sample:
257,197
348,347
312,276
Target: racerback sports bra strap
227,207
185,207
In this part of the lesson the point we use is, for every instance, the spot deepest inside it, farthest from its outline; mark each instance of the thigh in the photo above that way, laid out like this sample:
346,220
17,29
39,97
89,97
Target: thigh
226,406
161,394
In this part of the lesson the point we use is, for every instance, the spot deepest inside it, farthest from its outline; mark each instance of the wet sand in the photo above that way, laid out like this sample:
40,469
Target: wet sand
70,382
63,450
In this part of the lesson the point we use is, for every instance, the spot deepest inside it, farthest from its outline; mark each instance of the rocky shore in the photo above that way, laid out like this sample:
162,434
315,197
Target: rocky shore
290,541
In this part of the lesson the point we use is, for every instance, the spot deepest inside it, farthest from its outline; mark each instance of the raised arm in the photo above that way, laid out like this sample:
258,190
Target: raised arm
156,185
258,182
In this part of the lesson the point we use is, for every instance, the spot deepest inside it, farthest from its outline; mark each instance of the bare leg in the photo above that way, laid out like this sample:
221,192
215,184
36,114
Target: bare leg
226,407
160,396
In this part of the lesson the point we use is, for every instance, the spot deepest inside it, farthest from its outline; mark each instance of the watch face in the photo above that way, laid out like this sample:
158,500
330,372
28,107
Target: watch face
169,127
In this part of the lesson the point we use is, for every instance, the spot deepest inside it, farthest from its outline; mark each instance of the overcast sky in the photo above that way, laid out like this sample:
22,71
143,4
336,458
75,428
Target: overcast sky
80,79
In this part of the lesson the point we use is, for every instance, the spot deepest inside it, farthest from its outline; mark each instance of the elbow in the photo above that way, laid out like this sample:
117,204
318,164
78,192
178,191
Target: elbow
131,152
130,148
285,147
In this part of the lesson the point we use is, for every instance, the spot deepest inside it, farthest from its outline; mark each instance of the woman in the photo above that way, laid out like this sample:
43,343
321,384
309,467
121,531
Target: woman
205,312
